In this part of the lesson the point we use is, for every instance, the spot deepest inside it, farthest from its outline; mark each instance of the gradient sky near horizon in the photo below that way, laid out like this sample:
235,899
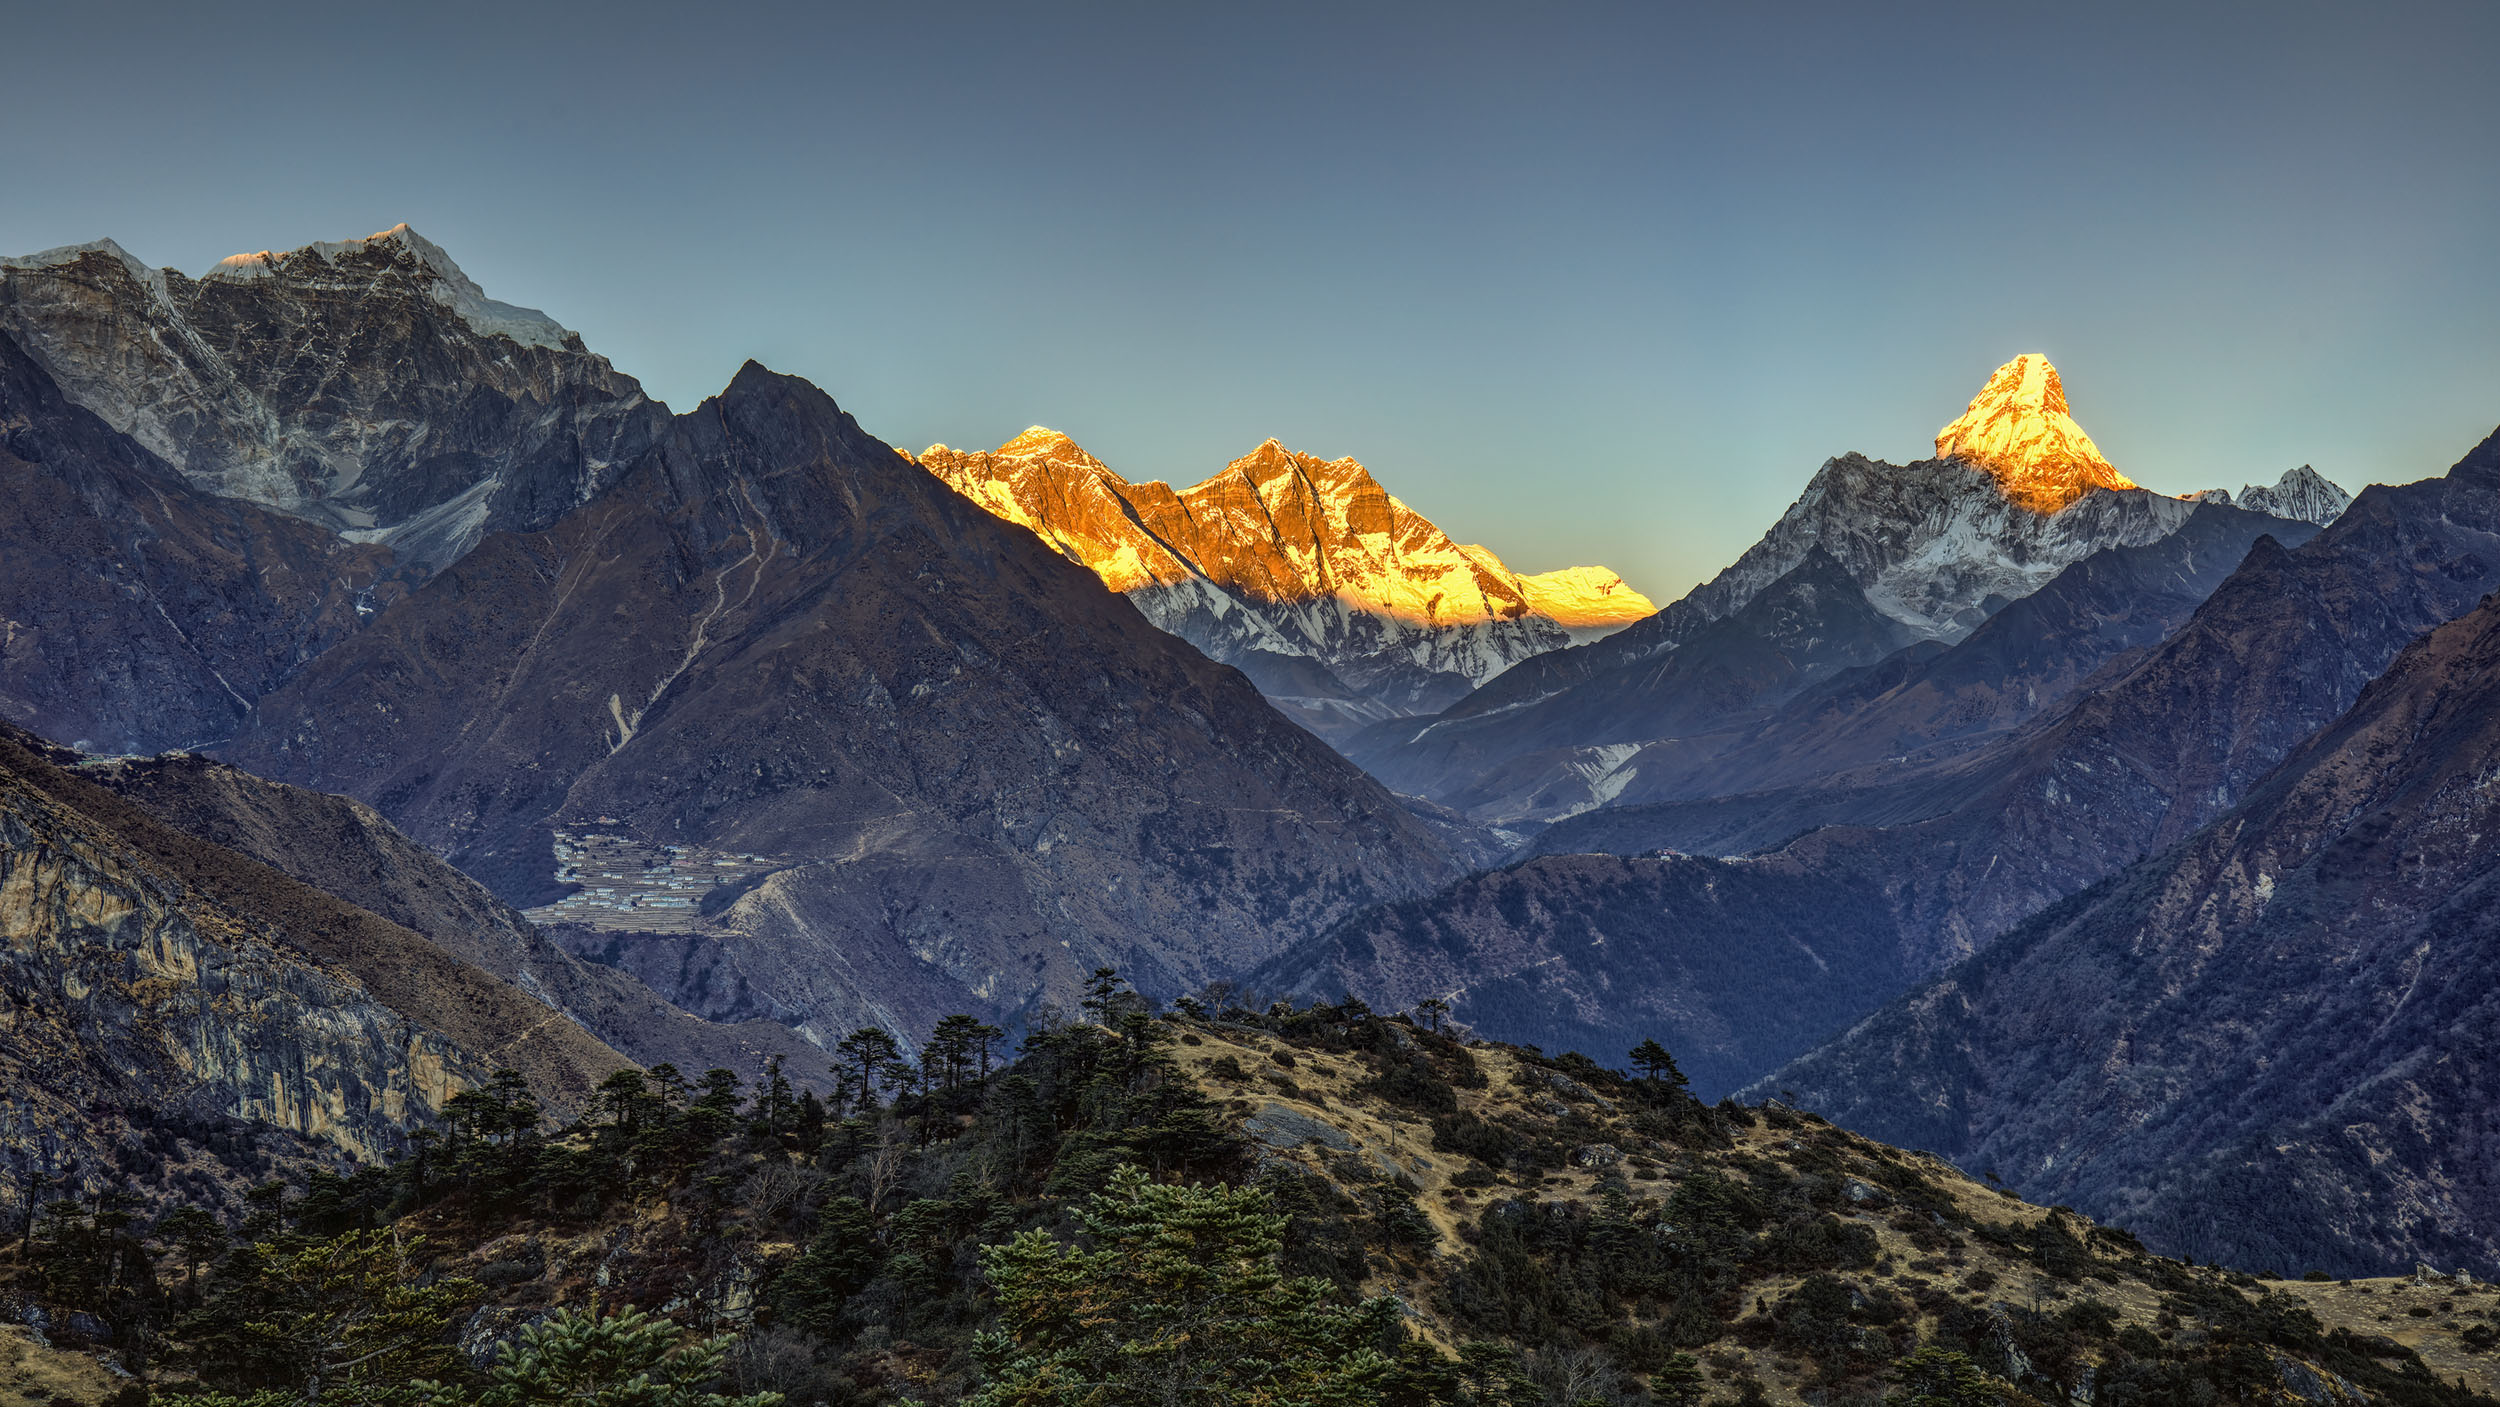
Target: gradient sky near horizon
1583,283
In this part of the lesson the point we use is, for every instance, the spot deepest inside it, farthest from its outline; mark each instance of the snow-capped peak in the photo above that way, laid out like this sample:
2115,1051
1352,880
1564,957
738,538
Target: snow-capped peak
2302,493
2017,430
1585,598
1282,556
448,285
1038,439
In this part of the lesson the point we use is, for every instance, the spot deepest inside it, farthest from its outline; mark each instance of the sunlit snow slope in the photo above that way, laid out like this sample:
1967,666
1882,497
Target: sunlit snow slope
1341,602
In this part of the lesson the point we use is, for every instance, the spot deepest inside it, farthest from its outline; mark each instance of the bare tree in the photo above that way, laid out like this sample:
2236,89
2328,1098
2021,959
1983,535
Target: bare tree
885,1162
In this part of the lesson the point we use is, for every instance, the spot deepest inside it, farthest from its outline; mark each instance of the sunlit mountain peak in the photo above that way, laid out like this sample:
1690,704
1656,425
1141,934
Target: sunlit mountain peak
2017,429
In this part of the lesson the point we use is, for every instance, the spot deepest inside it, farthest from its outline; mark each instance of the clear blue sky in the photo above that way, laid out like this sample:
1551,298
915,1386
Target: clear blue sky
1582,283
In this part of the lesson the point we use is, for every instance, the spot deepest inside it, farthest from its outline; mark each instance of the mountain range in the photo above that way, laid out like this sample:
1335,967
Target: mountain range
1341,603
415,667
1871,559
973,775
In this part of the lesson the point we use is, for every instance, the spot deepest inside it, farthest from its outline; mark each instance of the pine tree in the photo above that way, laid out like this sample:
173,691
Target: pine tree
1937,1377
1678,1383
1432,1011
195,1236
1655,1064
861,1059
629,1359
352,1319
1176,1296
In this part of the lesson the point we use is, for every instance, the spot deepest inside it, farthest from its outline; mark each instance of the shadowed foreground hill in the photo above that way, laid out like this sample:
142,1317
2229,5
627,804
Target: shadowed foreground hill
1390,1214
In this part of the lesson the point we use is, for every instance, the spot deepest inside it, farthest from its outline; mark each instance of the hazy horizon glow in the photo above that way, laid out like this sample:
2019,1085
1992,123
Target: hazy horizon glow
1590,285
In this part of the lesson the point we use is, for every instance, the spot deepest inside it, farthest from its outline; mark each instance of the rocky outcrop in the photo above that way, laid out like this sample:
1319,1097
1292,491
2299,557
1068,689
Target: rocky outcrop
1343,604
2271,1044
138,613
145,971
972,774
367,385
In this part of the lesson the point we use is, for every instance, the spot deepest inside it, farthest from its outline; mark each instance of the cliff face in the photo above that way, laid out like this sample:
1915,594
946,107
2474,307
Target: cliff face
367,385
347,850
125,990
147,969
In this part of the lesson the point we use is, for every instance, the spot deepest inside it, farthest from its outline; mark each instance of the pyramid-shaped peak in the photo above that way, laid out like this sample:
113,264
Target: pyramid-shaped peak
2028,381
2018,431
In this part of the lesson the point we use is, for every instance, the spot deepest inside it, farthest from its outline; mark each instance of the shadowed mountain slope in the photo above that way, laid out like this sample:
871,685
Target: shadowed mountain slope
1933,700
973,773
2273,1042
136,612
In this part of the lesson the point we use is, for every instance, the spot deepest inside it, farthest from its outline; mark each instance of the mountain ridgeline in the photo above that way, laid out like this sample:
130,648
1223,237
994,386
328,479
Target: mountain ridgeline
368,386
1341,603
403,709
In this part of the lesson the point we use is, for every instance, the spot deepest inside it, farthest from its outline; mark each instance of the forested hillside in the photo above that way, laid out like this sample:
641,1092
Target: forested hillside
1212,1204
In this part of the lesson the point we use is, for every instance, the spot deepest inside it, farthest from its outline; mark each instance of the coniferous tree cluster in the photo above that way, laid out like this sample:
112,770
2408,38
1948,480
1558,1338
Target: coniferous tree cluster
1082,1224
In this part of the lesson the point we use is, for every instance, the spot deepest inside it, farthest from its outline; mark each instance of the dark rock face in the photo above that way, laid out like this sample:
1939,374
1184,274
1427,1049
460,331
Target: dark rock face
1567,753
1733,965
978,773
2271,1045
366,386
346,850
136,612
145,968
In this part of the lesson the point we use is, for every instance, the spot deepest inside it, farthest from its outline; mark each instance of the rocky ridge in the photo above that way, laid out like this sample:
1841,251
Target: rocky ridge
367,385
1342,603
